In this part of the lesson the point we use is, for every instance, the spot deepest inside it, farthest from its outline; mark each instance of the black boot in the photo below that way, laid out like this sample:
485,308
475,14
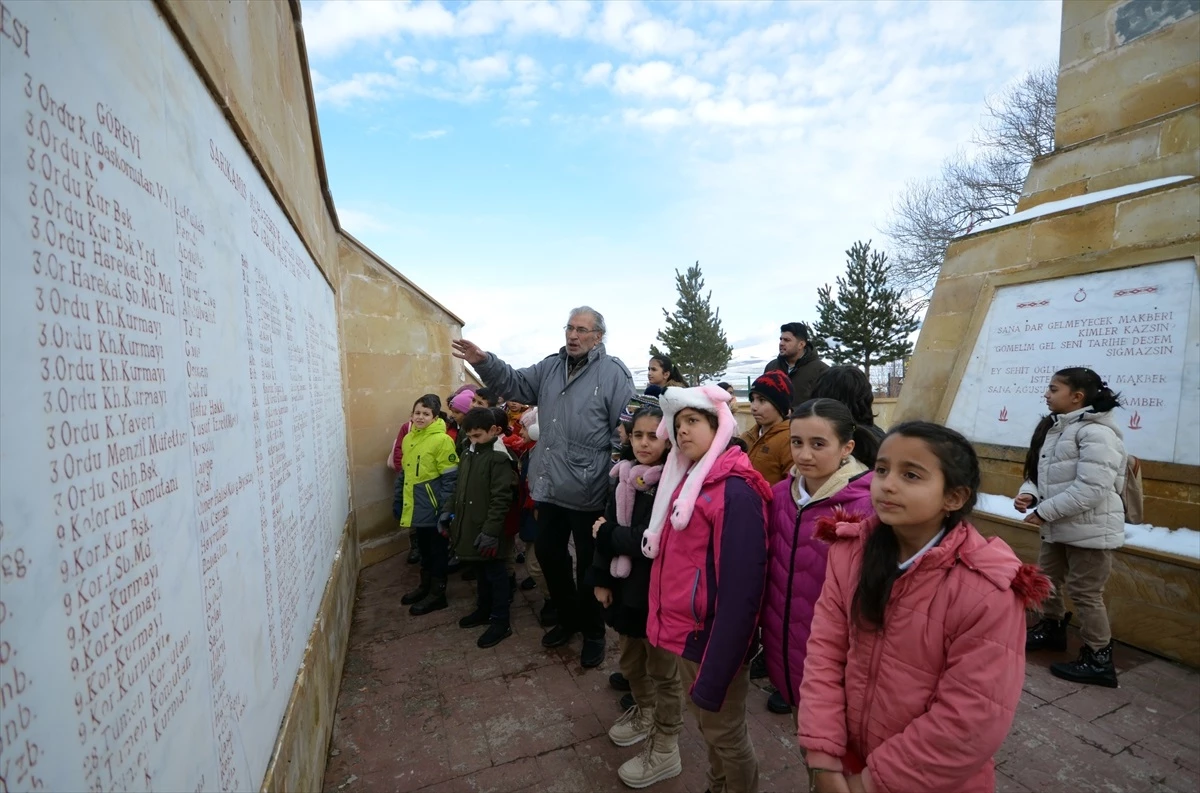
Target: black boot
1094,667
496,633
418,594
1048,634
434,601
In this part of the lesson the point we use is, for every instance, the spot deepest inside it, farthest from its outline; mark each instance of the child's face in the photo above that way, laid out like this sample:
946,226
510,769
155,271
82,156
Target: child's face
816,449
479,402
648,448
458,416
483,437
524,432
764,411
1061,399
655,374
694,433
909,489
422,417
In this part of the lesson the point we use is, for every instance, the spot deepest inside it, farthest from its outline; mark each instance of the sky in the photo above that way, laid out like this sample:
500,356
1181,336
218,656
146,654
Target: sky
517,159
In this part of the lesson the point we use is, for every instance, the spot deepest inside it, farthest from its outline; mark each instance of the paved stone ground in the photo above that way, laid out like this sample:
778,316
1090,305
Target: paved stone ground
422,709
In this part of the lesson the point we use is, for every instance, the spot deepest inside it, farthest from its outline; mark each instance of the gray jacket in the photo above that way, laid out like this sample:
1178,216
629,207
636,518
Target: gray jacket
1081,475
576,421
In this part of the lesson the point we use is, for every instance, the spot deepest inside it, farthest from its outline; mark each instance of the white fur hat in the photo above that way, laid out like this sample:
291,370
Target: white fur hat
709,399
529,420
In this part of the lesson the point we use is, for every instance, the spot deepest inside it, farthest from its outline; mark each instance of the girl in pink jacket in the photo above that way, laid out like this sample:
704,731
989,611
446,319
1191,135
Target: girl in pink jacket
830,476
916,658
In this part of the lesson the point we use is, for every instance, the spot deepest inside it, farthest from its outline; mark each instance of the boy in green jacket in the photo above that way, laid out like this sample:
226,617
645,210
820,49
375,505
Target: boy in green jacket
476,526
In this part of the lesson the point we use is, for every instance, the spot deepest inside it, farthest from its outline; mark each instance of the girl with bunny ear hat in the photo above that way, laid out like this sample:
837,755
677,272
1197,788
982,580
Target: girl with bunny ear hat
709,572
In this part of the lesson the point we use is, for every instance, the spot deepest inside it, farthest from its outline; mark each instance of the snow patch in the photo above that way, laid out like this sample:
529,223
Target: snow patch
1181,542
1062,205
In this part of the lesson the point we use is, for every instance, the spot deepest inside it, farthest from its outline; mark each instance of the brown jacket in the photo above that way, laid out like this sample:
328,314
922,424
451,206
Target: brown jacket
770,453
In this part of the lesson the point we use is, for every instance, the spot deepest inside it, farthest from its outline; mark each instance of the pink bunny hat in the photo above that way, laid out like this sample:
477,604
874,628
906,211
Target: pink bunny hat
709,399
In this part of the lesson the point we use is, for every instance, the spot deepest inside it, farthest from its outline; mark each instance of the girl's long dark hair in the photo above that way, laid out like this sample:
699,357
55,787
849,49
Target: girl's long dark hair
1096,395
881,557
434,403
653,411
674,376
850,386
866,445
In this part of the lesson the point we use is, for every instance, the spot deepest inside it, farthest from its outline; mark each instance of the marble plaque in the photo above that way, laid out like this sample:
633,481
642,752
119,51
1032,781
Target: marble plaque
172,436
1136,327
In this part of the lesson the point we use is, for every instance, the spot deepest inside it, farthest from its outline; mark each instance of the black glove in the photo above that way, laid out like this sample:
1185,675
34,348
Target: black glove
487,545
444,524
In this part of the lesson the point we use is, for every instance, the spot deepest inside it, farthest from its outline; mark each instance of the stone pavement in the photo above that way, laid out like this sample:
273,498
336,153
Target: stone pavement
422,709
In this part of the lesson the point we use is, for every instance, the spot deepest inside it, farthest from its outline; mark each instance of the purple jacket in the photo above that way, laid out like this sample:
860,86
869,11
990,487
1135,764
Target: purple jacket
796,572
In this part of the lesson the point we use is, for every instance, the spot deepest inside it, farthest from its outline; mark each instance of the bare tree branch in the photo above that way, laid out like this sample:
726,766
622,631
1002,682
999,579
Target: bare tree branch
930,213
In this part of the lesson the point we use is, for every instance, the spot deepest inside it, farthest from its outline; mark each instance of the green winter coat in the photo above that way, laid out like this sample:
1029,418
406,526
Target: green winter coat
428,475
487,479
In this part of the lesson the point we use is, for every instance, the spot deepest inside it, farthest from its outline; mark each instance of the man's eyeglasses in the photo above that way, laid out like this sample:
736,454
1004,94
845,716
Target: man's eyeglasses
578,329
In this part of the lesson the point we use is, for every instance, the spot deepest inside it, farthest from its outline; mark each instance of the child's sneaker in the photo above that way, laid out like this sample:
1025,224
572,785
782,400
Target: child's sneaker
633,726
496,633
474,619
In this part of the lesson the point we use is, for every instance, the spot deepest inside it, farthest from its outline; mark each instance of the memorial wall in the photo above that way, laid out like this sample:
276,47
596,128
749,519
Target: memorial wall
172,436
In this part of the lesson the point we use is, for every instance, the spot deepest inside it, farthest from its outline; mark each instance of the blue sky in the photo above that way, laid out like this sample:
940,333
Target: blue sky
516,159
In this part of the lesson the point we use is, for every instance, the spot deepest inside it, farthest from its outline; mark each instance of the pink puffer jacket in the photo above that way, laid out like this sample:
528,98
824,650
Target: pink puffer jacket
927,700
796,569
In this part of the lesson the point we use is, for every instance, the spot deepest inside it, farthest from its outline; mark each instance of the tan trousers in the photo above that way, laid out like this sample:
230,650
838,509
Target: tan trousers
732,766
534,568
653,678
1081,574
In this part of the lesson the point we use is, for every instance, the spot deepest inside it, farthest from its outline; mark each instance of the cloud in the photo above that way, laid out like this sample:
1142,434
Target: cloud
598,74
658,79
431,134
370,85
331,27
485,70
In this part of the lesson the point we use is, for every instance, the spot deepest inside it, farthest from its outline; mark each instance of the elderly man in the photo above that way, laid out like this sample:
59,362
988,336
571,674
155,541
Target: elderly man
580,392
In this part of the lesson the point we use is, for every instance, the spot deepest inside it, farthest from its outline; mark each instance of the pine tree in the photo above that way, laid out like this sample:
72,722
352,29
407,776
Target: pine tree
867,323
693,337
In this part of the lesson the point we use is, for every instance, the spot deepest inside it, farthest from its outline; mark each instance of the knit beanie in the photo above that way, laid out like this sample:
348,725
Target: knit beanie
529,420
678,467
775,387
462,401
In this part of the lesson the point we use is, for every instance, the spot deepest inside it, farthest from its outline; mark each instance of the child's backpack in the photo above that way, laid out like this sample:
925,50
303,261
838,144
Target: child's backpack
1131,495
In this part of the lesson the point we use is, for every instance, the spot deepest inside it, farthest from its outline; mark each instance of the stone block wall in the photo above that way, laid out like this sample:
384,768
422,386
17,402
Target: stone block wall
1123,62
397,345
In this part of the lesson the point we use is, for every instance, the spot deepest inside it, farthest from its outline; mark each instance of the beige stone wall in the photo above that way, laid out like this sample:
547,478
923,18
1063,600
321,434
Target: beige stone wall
394,337
1113,76
1153,599
397,345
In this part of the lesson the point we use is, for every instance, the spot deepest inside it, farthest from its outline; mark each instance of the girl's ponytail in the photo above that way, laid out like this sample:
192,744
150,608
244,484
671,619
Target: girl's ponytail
1105,400
1035,448
1096,393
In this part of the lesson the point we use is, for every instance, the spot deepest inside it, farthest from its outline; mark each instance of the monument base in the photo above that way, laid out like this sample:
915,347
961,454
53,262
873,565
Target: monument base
1153,598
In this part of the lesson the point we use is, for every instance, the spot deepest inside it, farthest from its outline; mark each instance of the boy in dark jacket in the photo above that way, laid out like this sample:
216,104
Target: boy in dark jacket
621,576
476,527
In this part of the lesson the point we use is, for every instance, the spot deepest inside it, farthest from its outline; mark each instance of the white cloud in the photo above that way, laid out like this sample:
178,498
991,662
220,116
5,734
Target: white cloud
485,70
658,79
331,27
370,85
598,74
431,134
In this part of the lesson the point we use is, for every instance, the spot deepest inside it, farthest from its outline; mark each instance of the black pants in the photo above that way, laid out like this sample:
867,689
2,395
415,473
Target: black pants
435,550
492,590
577,610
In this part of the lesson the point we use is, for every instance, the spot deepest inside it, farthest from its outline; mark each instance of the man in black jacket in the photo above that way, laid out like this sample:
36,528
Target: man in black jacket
798,360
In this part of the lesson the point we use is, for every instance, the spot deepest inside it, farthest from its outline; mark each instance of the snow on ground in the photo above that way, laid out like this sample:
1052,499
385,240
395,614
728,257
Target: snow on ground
1181,542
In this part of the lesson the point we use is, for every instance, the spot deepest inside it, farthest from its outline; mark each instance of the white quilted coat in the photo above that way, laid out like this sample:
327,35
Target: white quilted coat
1081,475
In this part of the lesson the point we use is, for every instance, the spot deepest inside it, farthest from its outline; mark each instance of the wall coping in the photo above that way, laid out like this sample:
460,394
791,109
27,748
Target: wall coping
1145,553
352,240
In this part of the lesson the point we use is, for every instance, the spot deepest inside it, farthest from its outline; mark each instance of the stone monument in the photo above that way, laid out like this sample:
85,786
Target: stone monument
1097,268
